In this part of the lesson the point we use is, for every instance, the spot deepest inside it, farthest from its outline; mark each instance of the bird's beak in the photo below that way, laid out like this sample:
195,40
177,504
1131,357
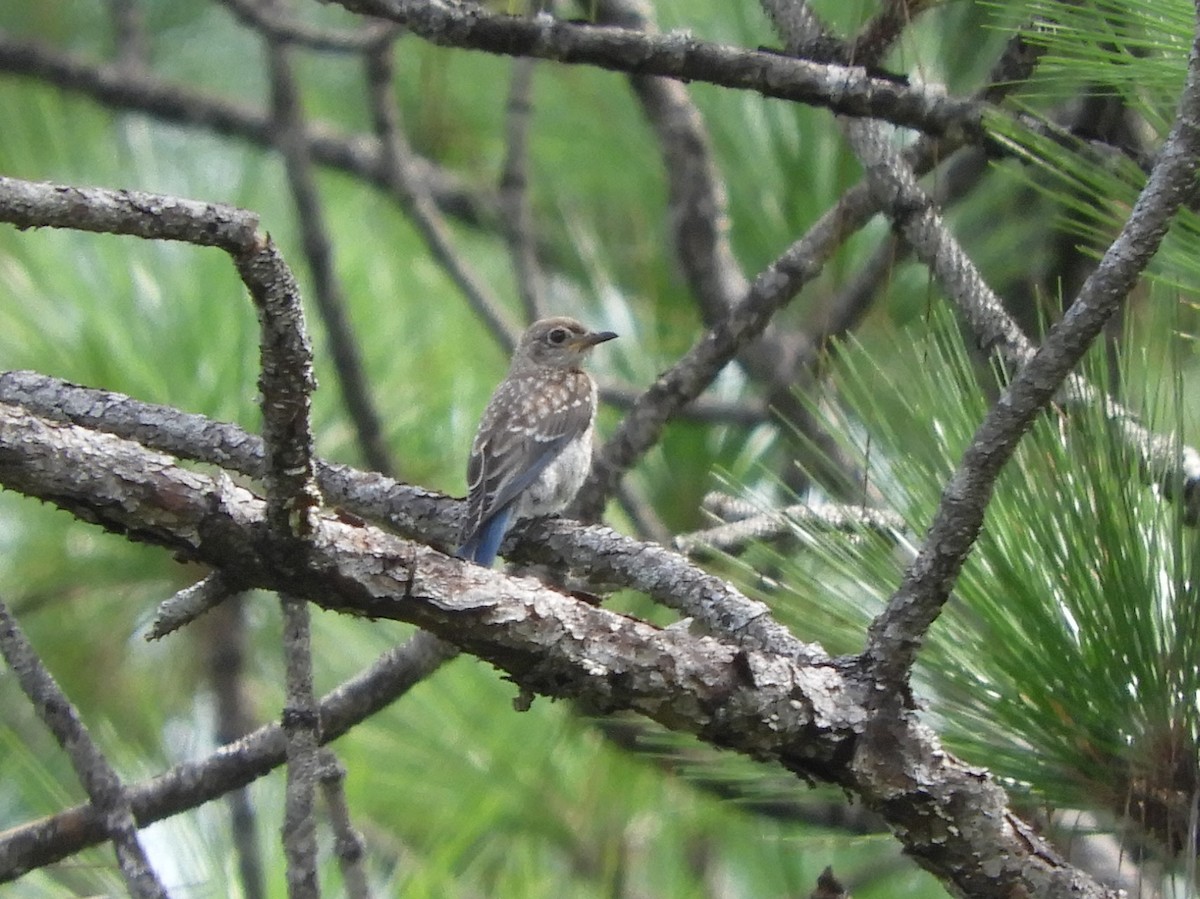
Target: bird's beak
589,340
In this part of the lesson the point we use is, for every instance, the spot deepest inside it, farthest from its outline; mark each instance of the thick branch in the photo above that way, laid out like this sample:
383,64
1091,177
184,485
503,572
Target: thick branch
35,204
813,719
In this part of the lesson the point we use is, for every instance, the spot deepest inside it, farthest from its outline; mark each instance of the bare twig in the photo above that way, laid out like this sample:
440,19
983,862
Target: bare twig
733,537
745,413
278,22
226,637
121,89
878,35
727,507
302,730
99,779
348,843
232,767
189,604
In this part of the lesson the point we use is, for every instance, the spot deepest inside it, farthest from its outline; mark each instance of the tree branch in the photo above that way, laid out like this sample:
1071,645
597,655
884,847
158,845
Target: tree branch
601,555
896,634
279,23
813,719
844,90
405,182
318,250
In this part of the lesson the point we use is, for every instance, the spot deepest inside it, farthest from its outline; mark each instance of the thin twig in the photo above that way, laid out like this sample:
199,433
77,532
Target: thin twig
880,33
124,90
276,21
734,536
746,413
226,639
348,844
302,730
403,181
100,781
516,207
189,604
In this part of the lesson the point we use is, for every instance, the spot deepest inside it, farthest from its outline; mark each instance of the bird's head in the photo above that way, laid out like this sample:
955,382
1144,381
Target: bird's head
557,343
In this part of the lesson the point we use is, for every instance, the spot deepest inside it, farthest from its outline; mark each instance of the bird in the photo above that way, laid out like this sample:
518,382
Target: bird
533,448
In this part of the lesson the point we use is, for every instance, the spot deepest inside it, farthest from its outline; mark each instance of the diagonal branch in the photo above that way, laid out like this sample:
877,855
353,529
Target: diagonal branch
403,180
896,634
101,782
278,22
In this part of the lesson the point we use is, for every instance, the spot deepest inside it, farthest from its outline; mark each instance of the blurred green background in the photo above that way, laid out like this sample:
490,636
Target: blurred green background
1065,663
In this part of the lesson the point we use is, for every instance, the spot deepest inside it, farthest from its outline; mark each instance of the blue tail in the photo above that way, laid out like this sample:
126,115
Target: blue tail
481,547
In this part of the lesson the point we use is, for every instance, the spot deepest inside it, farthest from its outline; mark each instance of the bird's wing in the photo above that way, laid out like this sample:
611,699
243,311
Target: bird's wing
520,435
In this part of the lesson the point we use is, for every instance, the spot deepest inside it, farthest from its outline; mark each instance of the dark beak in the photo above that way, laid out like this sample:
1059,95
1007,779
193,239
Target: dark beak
592,338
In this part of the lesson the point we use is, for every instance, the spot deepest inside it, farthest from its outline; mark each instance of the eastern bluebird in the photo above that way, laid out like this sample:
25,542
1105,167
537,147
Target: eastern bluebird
533,448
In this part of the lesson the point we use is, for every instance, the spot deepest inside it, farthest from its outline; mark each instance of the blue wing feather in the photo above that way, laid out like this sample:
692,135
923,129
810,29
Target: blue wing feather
484,542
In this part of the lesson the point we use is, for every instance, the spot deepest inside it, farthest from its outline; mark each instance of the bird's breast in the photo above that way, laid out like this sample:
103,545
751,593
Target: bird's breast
553,489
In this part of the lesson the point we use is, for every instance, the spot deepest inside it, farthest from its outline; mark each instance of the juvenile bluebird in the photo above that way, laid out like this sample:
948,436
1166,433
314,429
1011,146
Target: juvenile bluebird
533,448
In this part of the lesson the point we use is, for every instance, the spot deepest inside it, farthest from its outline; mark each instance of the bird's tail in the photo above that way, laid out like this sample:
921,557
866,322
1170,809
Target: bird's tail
481,547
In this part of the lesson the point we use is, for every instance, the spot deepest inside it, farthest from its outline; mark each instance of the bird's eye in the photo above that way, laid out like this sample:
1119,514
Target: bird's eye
558,335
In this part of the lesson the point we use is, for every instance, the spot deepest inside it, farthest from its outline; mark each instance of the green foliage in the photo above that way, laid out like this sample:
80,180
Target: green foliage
1063,661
